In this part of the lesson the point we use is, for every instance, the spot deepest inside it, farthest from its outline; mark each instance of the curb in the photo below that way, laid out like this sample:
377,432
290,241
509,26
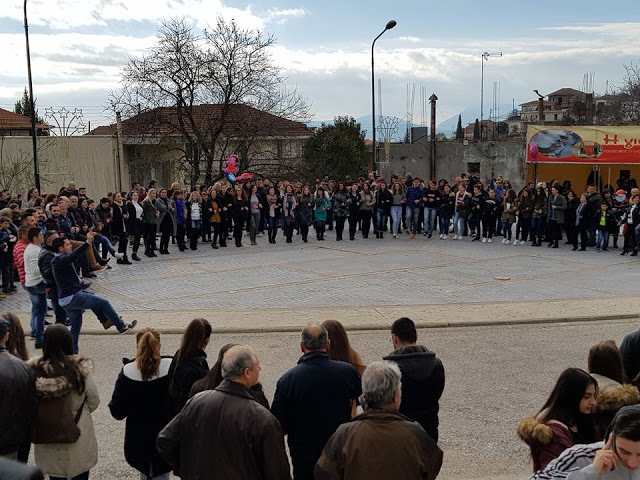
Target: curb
375,327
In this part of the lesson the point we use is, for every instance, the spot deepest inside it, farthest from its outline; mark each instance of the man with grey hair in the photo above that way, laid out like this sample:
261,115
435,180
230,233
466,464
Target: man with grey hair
313,398
225,433
381,442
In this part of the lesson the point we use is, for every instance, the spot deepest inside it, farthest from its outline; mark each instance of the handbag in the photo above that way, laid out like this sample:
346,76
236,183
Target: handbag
54,423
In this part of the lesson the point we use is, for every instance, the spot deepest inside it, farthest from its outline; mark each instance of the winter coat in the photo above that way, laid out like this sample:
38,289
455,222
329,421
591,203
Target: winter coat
561,206
147,407
524,207
384,201
225,433
239,215
367,201
149,209
183,374
167,209
462,204
134,226
612,396
379,444
312,399
339,202
422,385
305,210
609,220
509,212
630,353
289,207
546,441
17,401
119,223
321,205
70,459
445,210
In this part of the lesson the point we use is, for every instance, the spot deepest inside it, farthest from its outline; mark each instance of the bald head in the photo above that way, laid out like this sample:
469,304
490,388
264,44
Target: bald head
314,338
240,364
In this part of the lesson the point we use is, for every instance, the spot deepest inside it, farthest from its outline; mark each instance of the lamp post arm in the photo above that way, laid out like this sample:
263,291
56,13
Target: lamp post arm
373,100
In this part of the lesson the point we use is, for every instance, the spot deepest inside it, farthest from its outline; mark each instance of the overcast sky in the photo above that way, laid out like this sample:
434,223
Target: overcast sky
79,46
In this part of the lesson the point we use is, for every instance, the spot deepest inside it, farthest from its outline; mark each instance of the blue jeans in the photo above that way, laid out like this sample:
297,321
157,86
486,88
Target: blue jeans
104,241
430,219
381,219
396,218
444,225
84,300
412,218
38,298
458,224
506,230
60,314
602,240
637,234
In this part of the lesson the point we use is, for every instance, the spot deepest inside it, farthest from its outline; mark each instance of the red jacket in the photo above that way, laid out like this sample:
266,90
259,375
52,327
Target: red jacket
547,441
18,259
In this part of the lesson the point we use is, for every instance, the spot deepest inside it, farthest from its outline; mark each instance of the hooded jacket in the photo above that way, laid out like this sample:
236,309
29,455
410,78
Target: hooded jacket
546,441
612,396
183,373
422,385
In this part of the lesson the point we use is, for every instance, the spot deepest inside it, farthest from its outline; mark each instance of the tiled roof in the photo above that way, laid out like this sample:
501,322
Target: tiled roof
535,102
164,121
14,121
566,91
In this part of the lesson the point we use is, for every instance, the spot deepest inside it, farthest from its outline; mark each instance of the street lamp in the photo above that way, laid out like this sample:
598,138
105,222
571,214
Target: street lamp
485,58
389,26
34,132
540,107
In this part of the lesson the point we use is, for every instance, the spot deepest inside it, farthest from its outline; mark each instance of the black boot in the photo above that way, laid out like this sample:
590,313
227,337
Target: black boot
126,261
555,244
134,256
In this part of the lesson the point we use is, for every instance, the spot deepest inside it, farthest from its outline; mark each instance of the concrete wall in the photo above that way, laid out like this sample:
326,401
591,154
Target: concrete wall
453,158
90,161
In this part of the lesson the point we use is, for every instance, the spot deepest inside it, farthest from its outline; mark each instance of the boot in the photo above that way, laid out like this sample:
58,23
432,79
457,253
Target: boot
125,261
555,244
382,234
624,252
134,256
214,246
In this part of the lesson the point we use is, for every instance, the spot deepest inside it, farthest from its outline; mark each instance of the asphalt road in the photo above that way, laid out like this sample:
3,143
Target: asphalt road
495,376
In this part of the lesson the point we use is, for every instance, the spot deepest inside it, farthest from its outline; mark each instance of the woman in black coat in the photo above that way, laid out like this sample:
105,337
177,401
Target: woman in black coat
119,220
135,225
141,395
240,212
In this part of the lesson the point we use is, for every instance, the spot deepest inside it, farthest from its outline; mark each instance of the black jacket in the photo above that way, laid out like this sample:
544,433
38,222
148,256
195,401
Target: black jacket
630,353
312,399
384,201
17,401
147,407
134,226
119,223
44,265
182,377
422,385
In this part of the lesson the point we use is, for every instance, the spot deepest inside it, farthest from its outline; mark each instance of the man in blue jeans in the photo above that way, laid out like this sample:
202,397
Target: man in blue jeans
34,283
70,294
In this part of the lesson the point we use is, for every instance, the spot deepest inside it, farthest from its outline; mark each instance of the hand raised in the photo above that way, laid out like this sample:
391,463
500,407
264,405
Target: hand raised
605,459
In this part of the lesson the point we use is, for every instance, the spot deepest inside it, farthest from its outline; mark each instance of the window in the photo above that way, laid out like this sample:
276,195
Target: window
473,168
555,116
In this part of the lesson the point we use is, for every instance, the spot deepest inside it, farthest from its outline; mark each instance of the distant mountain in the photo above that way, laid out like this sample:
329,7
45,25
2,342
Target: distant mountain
469,115
365,124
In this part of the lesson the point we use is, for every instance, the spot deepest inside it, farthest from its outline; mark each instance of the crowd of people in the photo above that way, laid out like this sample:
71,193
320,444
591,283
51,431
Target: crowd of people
341,418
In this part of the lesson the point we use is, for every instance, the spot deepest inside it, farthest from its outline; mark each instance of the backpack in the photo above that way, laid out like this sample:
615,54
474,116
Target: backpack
54,423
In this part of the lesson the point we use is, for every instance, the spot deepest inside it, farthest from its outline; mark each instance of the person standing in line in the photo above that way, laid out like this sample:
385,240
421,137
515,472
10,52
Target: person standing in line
216,220
340,208
508,217
120,216
255,204
34,283
630,220
135,227
150,218
462,205
353,202
207,210
289,209
380,443
73,298
240,212
18,399
225,433
524,206
305,212
190,361
384,199
604,219
398,203
556,207
181,219
273,214
313,398
61,373
321,205
367,202
538,217
570,217
431,199
141,396
194,219
166,220
490,206
445,212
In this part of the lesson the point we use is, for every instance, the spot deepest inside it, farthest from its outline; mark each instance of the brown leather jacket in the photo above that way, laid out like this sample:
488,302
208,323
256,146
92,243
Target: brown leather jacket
379,444
225,433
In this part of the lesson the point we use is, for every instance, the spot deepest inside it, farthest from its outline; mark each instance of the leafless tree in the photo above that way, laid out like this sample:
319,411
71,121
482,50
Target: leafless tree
223,66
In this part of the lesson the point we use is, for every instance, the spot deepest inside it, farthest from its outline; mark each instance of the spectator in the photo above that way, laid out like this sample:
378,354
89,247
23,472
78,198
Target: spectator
135,226
225,433
73,298
630,352
166,220
181,218
34,283
141,395
194,219
7,242
46,270
313,398
384,199
213,378
401,448
61,373
18,398
422,376
190,361
120,214
399,201
564,420
150,218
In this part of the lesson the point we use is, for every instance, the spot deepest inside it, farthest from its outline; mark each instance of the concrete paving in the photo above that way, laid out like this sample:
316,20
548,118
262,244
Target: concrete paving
366,284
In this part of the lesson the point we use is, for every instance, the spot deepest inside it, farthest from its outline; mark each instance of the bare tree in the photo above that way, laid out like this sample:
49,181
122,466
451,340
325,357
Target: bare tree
224,66
622,107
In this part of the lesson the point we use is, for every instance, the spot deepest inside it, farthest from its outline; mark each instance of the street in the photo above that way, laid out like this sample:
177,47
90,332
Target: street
495,376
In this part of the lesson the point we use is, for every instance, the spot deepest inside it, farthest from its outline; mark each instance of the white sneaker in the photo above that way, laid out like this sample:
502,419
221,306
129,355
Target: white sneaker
445,236
119,255
507,242
459,237
440,236
522,242
455,237
489,240
484,239
395,236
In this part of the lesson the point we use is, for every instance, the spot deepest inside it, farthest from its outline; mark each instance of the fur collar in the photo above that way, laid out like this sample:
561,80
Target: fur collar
59,386
532,431
613,400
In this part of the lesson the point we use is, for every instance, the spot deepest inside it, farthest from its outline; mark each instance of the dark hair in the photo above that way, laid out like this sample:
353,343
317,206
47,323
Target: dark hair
57,243
213,378
563,404
104,200
23,231
193,339
340,348
605,359
33,233
26,215
57,348
148,356
16,344
5,219
626,423
405,330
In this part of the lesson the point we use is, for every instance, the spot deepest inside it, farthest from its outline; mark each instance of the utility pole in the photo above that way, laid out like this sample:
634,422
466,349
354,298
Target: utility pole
34,132
432,145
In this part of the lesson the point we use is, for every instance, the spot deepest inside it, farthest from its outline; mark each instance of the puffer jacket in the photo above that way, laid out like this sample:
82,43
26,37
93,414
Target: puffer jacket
339,202
68,460
612,396
546,441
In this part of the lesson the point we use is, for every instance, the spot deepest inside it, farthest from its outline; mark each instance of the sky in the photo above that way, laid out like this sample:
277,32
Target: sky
78,48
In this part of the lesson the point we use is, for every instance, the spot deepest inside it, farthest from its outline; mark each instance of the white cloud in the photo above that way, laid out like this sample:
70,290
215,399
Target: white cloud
281,16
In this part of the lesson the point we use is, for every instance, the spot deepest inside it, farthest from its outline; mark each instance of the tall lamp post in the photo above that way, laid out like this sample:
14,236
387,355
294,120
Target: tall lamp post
389,26
34,132
485,58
